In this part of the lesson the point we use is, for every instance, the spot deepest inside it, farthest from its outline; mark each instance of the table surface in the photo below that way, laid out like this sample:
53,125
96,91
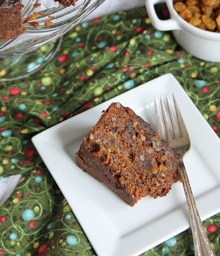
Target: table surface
93,64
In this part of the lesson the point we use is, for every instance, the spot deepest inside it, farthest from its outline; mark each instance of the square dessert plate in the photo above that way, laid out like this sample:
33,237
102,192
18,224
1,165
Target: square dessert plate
113,227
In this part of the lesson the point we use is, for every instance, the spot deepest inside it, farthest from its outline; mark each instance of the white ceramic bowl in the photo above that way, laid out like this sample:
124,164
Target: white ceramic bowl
202,44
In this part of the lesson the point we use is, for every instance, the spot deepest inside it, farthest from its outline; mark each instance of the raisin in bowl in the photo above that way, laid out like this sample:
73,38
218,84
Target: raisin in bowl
201,42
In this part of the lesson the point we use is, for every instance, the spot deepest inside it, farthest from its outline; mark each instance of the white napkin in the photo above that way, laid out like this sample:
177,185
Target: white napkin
7,186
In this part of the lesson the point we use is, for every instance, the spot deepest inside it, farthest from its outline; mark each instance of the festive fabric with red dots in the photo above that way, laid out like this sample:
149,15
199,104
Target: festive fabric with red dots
97,60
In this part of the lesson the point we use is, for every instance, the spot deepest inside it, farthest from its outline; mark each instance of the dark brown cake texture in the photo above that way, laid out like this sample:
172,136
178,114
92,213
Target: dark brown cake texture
123,152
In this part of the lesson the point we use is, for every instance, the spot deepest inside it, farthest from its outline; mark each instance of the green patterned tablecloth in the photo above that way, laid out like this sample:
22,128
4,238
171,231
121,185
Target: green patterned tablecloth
98,60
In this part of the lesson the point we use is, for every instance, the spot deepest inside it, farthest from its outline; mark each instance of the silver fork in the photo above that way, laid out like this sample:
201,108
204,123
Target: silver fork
171,127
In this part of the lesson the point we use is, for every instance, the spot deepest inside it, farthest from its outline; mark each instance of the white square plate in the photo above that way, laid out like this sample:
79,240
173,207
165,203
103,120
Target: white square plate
113,227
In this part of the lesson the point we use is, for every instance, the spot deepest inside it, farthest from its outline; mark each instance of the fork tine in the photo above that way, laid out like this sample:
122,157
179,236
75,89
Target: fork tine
159,122
175,124
182,126
169,135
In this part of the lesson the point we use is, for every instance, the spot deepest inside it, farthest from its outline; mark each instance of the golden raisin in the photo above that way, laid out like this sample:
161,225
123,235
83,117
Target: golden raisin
179,6
209,22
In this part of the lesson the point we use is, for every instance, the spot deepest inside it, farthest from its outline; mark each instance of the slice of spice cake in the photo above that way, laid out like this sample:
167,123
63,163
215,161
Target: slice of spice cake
128,156
10,19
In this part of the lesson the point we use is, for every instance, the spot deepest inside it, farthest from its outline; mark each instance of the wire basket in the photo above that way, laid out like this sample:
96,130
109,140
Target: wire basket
61,20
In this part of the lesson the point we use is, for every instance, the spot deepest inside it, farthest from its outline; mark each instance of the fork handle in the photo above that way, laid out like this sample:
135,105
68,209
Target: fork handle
202,246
